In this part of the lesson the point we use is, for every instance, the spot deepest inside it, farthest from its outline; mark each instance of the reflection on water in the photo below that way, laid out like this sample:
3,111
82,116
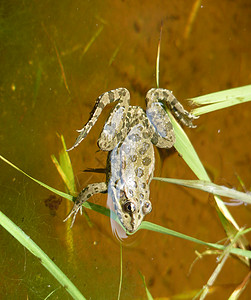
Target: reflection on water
55,61
117,230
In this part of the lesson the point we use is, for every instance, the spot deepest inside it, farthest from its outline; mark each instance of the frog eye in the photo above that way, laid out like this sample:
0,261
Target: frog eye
147,207
129,207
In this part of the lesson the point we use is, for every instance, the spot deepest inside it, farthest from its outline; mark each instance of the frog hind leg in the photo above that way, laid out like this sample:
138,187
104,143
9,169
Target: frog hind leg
84,195
165,96
162,134
121,94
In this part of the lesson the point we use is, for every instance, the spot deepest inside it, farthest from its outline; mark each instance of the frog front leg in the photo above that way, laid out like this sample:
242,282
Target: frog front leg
114,130
84,195
164,136
121,95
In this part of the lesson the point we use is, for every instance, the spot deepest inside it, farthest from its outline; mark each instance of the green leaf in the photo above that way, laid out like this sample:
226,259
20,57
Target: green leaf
29,244
64,168
222,99
188,153
160,229
148,294
59,193
210,187
144,225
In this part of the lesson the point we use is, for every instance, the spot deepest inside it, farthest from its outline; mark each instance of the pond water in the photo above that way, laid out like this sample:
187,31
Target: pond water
56,59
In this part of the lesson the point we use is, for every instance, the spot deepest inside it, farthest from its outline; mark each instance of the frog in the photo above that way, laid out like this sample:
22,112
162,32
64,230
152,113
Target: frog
129,136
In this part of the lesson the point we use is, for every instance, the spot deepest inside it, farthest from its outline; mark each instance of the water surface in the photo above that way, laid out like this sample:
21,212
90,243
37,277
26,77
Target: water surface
56,58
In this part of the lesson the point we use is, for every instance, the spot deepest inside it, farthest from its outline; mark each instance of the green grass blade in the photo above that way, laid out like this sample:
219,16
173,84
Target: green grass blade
243,93
59,193
27,242
114,54
188,153
92,40
121,270
65,163
63,175
98,208
158,56
210,187
222,99
65,170
160,229
102,210
148,294
37,84
145,225
221,260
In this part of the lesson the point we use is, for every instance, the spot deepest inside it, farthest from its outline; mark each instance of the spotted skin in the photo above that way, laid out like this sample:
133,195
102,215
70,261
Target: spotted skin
129,135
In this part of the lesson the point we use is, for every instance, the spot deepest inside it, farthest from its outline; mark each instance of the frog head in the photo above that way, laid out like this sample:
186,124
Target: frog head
130,210
132,213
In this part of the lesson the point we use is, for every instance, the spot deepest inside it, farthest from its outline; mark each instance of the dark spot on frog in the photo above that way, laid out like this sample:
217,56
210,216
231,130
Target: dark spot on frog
141,196
146,123
130,193
144,148
123,164
135,184
133,158
154,138
139,172
156,94
122,92
101,105
111,96
146,161
96,189
165,95
169,126
121,194
146,135
134,137
174,108
119,135
174,102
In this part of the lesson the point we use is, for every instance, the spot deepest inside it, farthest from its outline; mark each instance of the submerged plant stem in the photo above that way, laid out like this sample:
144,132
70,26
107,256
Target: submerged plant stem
158,56
121,269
